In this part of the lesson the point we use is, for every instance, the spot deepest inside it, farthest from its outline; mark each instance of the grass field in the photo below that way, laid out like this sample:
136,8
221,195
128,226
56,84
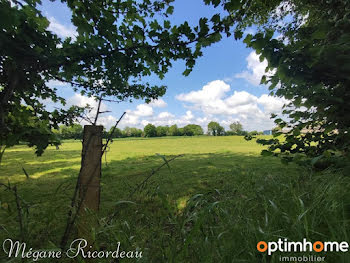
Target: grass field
214,203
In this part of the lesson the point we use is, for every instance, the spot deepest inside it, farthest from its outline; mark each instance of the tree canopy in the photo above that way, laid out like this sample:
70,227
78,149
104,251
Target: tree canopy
192,130
117,45
150,130
215,129
236,128
306,45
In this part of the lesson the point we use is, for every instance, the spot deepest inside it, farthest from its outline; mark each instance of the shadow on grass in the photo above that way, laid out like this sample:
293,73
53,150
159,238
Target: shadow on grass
190,172
188,175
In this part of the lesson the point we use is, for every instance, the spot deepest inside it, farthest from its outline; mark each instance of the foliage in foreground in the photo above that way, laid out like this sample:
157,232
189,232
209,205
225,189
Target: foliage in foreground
116,46
306,45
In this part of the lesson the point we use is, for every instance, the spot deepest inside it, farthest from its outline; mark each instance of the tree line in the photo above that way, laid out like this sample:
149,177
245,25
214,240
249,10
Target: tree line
75,131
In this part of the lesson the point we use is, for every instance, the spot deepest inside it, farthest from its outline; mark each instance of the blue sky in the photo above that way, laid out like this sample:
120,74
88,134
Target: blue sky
224,85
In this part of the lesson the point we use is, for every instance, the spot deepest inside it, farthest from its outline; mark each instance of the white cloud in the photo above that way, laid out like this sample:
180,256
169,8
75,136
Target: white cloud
250,30
107,121
143,110
210,92
145,122
133,117
159,103
165,115
171,119
214,102
62,31
56,83
255,69
189,116
82,101
272,104
212,99
240,98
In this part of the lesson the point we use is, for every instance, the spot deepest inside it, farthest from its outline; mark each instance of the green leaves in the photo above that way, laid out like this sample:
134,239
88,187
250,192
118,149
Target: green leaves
170,10
187,72
118,43
232,5
167,24
238,34
310,62
247,40
215,18
215,129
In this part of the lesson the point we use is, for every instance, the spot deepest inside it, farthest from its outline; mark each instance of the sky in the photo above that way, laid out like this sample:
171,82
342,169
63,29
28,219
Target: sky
223,87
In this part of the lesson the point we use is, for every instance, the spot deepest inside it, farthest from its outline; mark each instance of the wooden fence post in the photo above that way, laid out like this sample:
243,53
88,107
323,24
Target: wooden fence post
89,179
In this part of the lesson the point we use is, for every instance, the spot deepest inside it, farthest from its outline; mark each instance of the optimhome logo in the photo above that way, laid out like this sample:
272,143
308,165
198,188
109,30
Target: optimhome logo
305,246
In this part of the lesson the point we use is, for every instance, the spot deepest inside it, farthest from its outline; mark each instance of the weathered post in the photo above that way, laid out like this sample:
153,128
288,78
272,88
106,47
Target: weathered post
89,179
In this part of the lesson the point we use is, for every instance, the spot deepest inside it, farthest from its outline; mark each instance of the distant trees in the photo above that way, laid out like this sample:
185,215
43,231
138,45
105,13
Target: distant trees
255,133
126,132
236,128
160,131
131,132
215,129
75,131
136,132
117,132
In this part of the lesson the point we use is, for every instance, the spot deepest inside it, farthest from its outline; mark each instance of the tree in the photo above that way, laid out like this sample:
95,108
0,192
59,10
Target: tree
215,129
317,81
173,130
193,129
150,130
308,64
74,131
117,132
134,132
162,131
181,132
117,44
187,131
126,132
220,131
236,128
77,131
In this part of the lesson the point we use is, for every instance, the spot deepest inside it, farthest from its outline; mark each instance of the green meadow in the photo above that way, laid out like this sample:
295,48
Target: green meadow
213,203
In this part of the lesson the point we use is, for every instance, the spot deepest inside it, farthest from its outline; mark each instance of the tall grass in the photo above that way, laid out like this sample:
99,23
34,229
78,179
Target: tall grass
213,205
225,225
